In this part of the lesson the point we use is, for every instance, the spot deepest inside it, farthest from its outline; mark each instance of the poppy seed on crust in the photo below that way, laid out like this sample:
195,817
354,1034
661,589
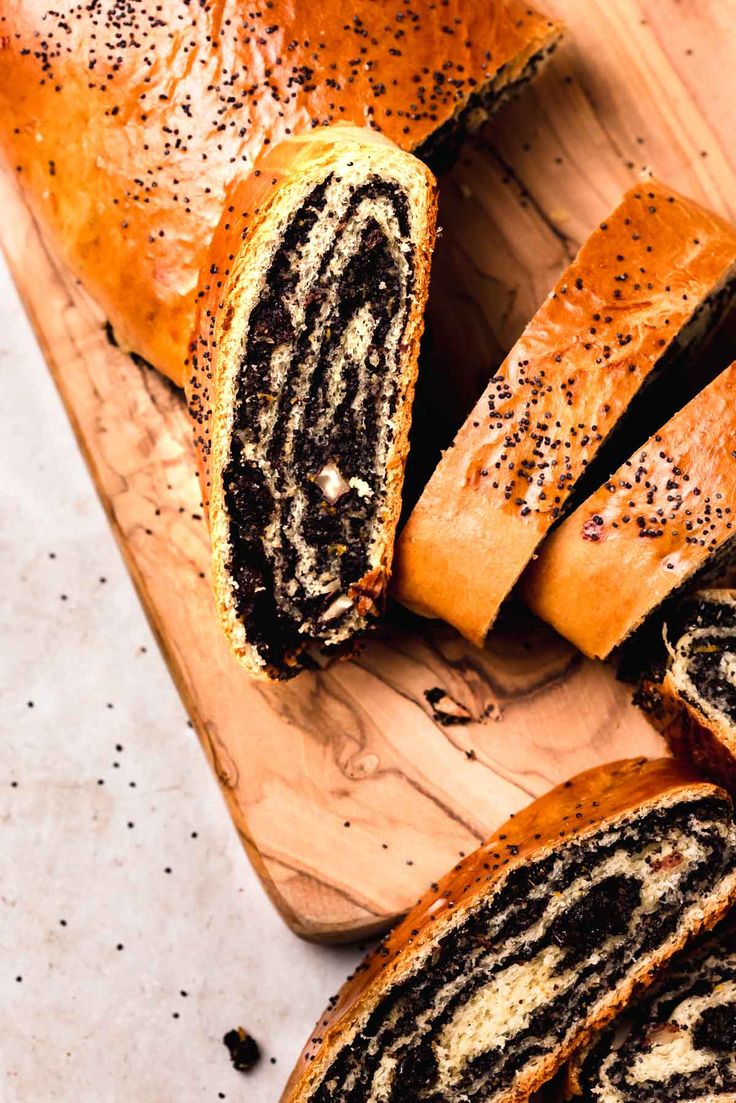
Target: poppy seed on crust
548,416
183,99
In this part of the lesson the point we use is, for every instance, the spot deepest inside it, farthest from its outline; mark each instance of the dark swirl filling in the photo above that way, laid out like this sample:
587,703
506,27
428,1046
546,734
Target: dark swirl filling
523,971
678,1043
318,389
704,634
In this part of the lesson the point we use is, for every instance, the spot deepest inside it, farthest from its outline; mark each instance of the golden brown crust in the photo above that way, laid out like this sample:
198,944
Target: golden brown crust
254,210
574,809
646,531
558,394
127,124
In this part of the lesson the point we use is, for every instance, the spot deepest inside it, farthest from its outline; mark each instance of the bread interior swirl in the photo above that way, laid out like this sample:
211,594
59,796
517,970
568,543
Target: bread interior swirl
680,1043
320,389
514,978
658,641
703,662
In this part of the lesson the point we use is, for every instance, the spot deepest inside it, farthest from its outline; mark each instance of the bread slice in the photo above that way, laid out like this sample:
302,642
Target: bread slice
677,1044
691,699
128,124
509,964
311,313
647,283
667,514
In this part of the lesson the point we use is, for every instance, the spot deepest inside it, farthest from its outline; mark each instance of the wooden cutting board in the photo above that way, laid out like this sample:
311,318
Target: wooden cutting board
349,789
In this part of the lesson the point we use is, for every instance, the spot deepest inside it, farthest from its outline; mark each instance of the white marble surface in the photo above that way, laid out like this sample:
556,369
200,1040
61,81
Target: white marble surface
133,932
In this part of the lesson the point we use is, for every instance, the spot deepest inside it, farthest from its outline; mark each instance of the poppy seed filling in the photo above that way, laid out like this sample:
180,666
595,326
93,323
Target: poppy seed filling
319,386
678,1043
705,654
522,969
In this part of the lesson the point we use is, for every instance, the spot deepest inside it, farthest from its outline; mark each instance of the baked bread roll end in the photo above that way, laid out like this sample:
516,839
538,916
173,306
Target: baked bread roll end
311,311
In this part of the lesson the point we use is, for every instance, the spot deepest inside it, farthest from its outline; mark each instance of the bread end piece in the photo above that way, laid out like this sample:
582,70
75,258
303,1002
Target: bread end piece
310,317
